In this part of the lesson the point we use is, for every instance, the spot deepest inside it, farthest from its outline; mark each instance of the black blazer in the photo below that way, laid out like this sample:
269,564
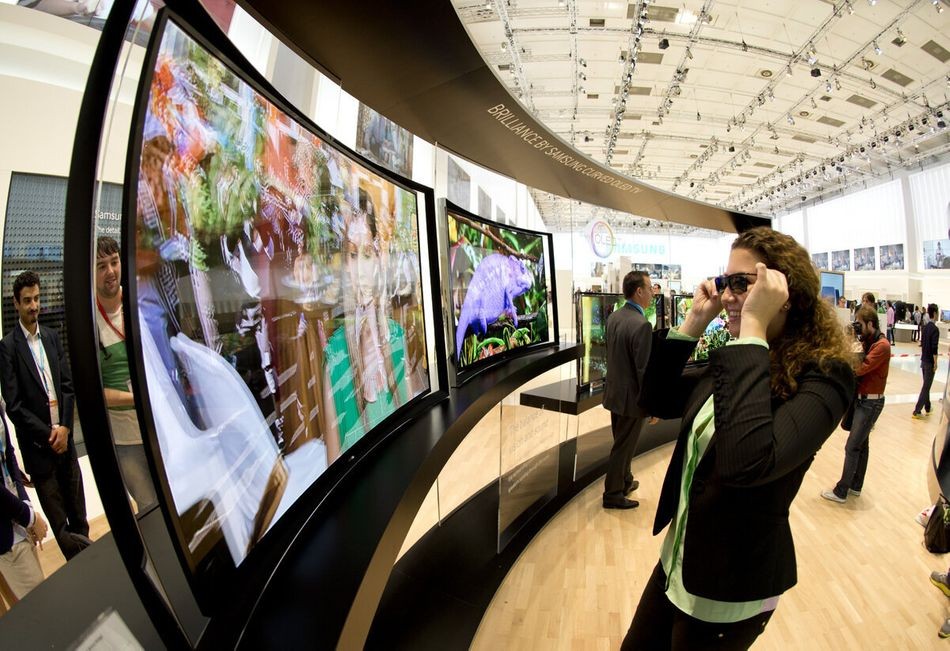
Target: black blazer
27,403
13,506
738,544
628,350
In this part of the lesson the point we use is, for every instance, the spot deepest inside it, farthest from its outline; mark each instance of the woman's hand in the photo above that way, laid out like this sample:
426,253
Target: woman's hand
707,304
767,297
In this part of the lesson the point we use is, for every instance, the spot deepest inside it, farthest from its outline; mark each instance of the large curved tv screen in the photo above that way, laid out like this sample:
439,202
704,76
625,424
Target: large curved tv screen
278,291
499,288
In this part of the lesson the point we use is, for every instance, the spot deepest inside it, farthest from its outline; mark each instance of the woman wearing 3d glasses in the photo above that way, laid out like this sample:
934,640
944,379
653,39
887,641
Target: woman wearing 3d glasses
752,422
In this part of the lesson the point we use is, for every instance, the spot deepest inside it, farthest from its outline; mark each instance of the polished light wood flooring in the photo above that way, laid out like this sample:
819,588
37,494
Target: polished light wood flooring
863,570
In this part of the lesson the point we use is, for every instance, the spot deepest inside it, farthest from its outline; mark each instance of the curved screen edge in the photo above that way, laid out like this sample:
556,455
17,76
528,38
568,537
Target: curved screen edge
285,319
501,290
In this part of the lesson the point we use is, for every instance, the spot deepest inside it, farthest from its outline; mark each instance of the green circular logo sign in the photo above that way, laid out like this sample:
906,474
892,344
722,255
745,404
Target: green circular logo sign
602,239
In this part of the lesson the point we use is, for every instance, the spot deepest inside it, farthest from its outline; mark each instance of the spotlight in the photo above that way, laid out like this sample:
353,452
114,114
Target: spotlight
664,43
828,86
790,119
812,56
698,116
877,48
788,71
901,39
850,7
872,2
731,149
815,72
937,6
689,53
692,184
941,123
837,84
588,139
873,85
813,104
504,46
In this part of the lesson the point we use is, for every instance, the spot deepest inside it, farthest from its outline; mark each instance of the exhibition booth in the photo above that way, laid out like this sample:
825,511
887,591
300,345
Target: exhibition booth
365,372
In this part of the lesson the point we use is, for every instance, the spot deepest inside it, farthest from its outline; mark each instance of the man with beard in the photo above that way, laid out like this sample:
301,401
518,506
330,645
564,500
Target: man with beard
868,404
38,389
114,364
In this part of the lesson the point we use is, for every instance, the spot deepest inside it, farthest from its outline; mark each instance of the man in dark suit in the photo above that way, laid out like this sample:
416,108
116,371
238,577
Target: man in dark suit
38,390
629,337
20,526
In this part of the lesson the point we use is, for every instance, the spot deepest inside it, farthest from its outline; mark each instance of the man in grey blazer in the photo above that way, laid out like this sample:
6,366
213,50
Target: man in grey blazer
629,337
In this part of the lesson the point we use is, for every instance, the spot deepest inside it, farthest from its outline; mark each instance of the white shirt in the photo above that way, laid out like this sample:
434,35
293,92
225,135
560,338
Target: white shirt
42,367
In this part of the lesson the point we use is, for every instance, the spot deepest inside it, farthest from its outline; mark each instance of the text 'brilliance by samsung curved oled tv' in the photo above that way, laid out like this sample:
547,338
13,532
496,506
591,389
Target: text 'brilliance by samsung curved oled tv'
499,287
278,292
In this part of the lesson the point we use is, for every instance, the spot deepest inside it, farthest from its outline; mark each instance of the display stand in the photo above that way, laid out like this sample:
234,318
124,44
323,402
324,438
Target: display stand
562,396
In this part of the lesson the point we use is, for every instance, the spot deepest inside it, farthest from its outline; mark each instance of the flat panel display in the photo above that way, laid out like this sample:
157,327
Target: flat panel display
892,257
279,296
681,305
500,288
820,260
864,259
832,286
937,254
591,327
841,260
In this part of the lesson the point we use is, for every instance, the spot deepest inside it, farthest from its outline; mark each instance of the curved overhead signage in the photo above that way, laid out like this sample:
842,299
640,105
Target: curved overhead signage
415,63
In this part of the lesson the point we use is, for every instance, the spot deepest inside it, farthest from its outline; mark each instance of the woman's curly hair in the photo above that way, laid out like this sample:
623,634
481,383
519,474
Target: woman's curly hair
813,334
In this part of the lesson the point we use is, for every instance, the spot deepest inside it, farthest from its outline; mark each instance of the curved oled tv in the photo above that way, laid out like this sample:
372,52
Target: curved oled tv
280,297
501,288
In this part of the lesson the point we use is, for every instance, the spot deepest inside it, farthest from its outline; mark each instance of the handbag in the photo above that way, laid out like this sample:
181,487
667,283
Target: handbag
937,531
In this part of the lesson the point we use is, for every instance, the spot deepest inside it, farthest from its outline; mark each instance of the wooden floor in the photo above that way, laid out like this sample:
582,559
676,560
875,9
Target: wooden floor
863,571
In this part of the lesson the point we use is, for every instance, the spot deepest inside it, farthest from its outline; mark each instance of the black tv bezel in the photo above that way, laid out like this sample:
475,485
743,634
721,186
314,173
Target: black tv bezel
467,372
822,272
211,585
577,329
673,298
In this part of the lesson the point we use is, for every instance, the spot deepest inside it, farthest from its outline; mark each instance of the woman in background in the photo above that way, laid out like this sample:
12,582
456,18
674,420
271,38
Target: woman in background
752,422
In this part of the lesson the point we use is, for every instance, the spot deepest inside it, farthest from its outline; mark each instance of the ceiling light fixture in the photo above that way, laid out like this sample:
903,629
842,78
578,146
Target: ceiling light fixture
698,116
788,71
812,56
828,86
850,7
872,2
900,40
813,104
816,72
837,84
877,48
790,119
937,5
664,43
504,46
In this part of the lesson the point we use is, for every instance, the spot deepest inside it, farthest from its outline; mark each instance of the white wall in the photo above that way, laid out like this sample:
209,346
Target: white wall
910,209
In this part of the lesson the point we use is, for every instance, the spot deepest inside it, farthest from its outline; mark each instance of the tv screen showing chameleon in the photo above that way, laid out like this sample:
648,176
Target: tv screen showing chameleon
499,288
279,297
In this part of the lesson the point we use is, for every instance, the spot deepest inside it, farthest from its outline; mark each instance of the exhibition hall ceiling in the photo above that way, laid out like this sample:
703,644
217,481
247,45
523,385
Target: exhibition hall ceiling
754,106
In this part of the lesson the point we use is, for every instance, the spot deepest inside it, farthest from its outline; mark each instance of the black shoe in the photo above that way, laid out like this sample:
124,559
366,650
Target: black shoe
629,488
620,503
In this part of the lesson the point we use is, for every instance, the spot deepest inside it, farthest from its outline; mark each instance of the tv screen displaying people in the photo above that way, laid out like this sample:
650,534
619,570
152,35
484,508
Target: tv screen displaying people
499,283
279,296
